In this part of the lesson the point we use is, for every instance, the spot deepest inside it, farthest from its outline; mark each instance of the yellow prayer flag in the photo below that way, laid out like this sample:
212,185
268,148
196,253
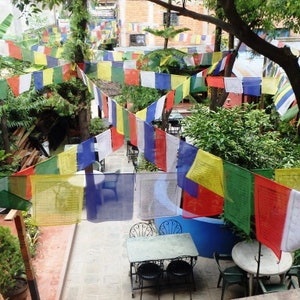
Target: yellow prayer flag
104,70
177,80
269,85
55,201
67,161
207,170
48,76
120,124
216,57
118,55
186,87
288,177
142,114
40,58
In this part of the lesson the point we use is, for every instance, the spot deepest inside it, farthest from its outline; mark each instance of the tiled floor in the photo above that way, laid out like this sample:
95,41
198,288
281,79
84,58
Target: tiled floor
99,267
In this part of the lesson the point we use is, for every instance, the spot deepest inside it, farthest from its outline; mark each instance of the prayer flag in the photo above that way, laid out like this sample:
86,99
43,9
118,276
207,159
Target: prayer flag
104,144
160,149
85,154
67,161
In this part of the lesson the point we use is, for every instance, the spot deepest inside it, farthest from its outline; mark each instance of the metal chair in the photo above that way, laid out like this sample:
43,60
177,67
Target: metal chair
141,229
149,271
110,182
268,288
294,271
182,268
229,275
170,226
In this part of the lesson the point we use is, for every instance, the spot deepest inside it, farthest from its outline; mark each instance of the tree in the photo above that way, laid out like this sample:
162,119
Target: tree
245,17
76,49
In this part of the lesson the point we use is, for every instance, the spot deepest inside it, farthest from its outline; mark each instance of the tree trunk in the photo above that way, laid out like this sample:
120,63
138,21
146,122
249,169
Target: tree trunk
5,136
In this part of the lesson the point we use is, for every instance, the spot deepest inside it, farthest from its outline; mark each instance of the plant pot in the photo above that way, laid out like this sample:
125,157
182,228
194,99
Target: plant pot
19,291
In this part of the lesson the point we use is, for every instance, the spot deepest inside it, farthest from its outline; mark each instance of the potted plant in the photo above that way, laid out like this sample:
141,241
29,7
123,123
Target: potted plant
13,285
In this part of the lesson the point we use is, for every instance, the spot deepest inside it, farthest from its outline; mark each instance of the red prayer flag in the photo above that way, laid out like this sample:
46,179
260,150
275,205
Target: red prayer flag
14,83
104,105
206,204
132,77
26,172
215,81
14,51
160,149
117,139
132,128
170,100
271,201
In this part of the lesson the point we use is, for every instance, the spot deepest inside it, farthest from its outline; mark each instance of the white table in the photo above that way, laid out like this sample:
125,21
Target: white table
159,247
245,255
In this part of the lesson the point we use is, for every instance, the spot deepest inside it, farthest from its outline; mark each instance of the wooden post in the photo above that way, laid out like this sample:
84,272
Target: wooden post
20,226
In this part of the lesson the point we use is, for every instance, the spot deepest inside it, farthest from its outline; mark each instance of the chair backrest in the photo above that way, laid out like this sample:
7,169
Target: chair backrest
170,226
218,257
111,179
141,229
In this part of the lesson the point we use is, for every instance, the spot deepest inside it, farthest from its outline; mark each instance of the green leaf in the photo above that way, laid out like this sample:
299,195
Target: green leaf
5,25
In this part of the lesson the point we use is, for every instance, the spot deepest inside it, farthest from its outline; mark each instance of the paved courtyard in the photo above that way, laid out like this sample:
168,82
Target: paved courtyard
99,268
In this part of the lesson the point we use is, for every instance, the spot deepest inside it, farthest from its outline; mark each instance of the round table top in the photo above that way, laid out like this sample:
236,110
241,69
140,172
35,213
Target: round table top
79,179
245,255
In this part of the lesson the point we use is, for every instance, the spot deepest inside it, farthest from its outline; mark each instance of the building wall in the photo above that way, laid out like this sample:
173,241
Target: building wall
135,15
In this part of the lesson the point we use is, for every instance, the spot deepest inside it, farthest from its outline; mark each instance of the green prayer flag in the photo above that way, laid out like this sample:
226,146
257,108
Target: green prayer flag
48,166
58,75
3,89
117,75
238,196
9,200
178,94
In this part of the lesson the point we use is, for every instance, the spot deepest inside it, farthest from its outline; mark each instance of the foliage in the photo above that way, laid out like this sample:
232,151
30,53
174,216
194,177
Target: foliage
32,233
10,166
138,96
167,33
296,257
11,261
145,165
22,111
168,60
5,24
76,48
242,135
75,92
97,126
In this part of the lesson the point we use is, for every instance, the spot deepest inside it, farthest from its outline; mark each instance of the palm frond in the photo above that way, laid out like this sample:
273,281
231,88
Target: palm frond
5,24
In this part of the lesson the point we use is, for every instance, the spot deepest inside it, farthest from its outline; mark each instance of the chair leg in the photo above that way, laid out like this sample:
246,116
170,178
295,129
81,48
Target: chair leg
141,287
219,280
223,291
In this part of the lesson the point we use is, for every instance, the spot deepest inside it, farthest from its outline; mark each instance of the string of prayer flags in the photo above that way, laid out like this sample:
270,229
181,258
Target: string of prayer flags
207,170
238,196
55,201
270,202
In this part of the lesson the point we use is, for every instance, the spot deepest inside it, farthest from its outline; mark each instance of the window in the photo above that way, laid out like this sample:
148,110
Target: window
173,19
137,40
